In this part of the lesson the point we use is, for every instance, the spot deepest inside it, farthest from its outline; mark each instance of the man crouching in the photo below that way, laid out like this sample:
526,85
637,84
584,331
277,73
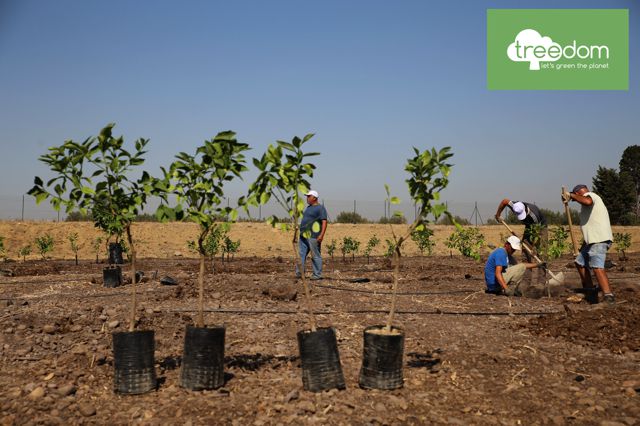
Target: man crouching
502,277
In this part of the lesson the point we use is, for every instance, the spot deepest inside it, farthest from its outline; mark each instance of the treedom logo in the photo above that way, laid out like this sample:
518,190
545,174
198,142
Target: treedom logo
531,47
558,49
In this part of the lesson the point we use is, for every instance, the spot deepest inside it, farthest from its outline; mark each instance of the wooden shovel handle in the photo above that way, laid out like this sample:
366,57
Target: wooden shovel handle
574,243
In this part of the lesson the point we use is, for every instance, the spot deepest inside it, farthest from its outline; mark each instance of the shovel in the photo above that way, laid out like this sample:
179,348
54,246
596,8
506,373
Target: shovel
555,278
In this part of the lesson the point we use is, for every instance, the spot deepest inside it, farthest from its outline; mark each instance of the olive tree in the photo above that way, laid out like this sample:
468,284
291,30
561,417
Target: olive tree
428,176
283,176
197,181
94,175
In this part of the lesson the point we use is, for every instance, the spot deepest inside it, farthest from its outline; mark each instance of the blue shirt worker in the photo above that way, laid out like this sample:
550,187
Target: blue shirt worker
314,222
499,275
597,235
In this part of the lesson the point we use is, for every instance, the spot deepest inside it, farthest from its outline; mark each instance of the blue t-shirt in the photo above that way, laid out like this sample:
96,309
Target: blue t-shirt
316,213
498,257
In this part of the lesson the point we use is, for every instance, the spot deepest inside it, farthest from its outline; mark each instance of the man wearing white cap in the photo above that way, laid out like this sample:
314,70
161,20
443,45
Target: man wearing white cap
502,277
314,225
529,215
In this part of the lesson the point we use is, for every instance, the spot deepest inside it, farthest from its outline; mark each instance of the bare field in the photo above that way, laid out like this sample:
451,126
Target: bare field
470,358
168,240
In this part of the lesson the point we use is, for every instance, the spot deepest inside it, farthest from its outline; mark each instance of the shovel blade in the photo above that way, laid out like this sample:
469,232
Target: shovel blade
556,279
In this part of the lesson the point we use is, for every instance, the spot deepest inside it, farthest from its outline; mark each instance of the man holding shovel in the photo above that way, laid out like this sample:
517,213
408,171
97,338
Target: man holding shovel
597,235
530,216
499,275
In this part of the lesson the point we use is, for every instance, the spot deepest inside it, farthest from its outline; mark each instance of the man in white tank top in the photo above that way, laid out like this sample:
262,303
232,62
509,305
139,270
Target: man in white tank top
597,235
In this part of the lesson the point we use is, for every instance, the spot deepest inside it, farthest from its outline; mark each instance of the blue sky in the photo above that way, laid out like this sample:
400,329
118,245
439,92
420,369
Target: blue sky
370,78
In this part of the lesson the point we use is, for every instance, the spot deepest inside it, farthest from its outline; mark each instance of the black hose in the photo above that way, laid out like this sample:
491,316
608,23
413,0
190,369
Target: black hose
367,311
419,293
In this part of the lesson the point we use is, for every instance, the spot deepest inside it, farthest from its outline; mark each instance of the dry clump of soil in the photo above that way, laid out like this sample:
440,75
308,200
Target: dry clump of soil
616,328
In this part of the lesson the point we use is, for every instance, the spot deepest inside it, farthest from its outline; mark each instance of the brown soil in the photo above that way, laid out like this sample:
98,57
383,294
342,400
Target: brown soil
470,358
169,240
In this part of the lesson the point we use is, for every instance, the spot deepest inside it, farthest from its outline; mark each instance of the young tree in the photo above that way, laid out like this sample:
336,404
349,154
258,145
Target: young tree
622,242
96,245
73,241
198,182
371,244
428,176
423,240
95,175
468,241
24,252
284,175
45,245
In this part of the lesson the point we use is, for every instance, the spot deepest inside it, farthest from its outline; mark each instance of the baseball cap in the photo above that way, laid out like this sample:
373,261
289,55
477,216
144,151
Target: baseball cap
578,188
514,242
314,193
519,210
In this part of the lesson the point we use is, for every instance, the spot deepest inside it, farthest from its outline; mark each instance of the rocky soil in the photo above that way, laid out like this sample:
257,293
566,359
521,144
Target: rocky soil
470,358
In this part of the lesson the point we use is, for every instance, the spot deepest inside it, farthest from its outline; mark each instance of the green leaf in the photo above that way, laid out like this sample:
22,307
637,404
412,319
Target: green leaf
395,200
315,227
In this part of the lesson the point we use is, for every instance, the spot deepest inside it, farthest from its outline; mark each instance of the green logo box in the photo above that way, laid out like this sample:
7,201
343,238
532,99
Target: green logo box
558,49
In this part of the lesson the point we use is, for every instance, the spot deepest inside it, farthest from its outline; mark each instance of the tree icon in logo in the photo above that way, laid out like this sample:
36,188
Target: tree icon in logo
530,46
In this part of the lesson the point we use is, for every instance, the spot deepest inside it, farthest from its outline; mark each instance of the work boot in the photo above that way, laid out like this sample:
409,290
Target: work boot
610,299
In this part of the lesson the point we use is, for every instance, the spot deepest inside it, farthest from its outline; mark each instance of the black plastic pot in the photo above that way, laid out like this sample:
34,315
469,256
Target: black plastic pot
112,276
133,362
382,359
321,369
115,254
203,358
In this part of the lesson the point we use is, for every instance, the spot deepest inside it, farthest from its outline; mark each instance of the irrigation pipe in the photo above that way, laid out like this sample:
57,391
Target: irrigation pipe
47,282
366,311
419,293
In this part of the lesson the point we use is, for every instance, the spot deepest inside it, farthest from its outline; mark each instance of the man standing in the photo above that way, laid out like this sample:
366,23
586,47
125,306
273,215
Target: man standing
312,229
597,235
530,216
500,277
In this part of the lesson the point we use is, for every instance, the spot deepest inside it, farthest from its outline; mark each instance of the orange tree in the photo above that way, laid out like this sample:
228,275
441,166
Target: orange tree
197,182
428,176
94,175
284,173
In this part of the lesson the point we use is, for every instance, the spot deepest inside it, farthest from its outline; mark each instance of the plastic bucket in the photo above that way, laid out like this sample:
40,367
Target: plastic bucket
112,276
321,369
115,254
203,358
133,362
382,359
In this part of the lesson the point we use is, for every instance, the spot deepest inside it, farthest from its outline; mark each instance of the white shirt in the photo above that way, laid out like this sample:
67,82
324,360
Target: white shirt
594,221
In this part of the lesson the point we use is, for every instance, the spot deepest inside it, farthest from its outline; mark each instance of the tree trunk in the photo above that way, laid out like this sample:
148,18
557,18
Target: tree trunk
307,293
394,297
76,259
201,292
132,322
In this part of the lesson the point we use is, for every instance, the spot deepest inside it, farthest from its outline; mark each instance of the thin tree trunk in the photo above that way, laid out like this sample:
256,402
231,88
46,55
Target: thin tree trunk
307,293
76,259
394,297
132,323
201,293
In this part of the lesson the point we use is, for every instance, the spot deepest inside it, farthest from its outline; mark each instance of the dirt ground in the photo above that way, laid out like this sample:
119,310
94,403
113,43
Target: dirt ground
169,240
470,358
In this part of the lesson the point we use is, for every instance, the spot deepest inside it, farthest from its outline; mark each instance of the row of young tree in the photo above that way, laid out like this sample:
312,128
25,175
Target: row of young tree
96,176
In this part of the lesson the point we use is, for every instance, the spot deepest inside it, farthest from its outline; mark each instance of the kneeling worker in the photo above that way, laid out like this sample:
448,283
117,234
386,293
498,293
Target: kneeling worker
502,278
